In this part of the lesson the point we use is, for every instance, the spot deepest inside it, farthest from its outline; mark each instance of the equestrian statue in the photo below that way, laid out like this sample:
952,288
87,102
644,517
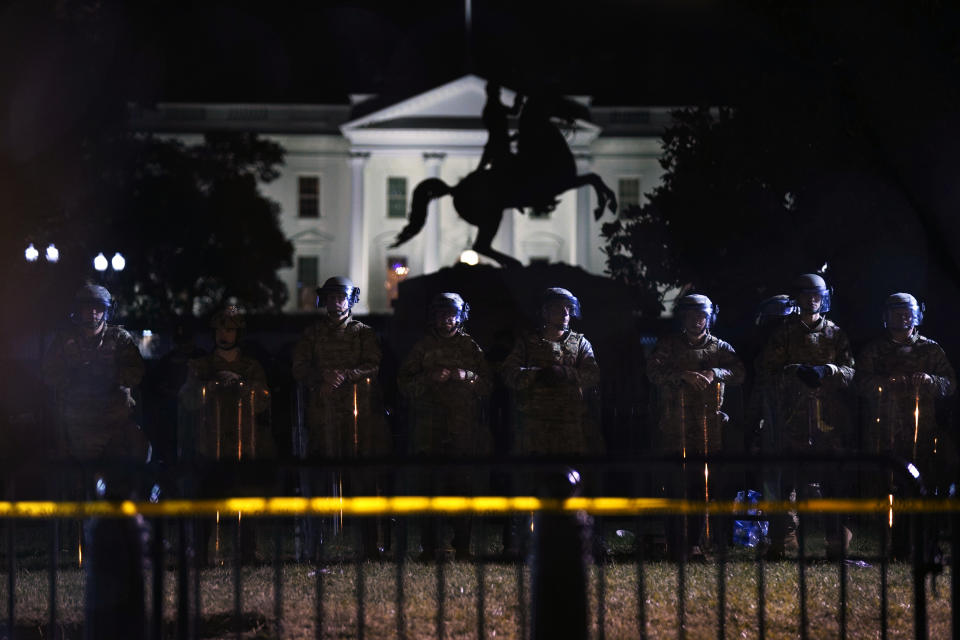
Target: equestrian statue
541,169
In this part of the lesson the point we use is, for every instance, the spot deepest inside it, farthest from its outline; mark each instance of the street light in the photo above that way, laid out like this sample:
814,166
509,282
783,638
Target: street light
469,257
100,262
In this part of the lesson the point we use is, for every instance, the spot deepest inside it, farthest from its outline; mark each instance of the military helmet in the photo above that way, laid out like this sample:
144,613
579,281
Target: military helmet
812,283
698,302
228,318
559,293
449,300
338,284
92,294
903,301
775,307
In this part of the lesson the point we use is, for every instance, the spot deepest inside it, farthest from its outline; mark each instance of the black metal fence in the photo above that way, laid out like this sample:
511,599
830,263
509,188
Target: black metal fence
187,569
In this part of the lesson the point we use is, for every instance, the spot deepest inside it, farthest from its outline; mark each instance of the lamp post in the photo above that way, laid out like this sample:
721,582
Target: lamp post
117,262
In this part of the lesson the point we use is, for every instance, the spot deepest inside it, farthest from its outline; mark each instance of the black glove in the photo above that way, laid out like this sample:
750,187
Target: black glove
812,376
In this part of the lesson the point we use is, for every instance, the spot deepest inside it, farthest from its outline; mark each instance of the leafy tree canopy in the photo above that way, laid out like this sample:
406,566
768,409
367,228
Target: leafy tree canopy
189,218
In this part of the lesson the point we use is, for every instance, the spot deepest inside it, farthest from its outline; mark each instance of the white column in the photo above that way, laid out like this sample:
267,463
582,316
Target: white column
584,232
358,251
431,230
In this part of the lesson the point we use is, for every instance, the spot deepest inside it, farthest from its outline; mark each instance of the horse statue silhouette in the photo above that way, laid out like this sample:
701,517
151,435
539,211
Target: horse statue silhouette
535,176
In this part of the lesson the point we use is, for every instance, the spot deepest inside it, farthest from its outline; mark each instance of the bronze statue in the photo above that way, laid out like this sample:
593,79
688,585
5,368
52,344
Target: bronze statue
541,170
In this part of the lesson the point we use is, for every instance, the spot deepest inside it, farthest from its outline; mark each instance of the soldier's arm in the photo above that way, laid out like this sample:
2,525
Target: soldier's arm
660,370
368,364
944,377
516,374
304,369
729,369
842,371
412,379
255,375
587,371
130,367
481,370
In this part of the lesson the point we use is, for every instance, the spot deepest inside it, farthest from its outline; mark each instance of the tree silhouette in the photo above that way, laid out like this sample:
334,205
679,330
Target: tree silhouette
819,161
189,219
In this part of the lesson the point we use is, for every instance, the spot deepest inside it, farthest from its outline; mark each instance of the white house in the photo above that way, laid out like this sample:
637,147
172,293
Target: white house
351,169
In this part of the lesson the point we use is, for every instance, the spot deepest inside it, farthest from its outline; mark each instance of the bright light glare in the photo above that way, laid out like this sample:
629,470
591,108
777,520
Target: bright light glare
53,254
470,257
31,254
100,262
118,262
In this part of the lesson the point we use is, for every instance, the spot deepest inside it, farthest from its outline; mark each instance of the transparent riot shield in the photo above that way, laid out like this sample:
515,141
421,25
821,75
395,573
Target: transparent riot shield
336,425
224,422
221,422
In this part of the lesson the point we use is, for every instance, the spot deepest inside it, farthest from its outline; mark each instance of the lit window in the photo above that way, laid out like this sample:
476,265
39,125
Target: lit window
397,272
308,196
628,193
308,276
396,197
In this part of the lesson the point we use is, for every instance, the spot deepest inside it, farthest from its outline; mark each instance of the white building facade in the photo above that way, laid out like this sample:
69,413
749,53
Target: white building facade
350,171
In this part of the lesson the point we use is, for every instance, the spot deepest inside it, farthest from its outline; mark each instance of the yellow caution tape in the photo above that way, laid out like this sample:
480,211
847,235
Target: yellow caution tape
489,505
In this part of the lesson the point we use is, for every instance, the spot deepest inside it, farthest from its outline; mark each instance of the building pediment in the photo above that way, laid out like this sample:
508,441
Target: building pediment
447,117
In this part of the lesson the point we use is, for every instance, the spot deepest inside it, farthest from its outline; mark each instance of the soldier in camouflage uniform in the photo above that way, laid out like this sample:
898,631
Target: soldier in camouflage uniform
227,399
444,379
550,371
336,362
225,415
92,368
807,364
691,370
901,376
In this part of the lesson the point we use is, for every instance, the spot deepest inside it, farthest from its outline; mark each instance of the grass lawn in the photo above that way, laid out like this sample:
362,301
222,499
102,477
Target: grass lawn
503,611
505,607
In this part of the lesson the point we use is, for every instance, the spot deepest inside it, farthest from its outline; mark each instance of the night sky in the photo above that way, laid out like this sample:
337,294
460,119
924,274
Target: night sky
71,66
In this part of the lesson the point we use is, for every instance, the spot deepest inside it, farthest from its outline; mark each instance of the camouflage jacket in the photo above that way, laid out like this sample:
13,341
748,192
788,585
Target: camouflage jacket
349,346
445,417
897,409
348,420
92,376
804,416
689,415
225,417
552,416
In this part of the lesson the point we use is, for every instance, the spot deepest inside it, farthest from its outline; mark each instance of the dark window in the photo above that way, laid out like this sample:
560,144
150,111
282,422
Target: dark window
628,193
539,260
396,197
308,277
308,196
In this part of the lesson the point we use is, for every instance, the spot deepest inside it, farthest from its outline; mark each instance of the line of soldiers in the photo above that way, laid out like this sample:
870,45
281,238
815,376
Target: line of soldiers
801,372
